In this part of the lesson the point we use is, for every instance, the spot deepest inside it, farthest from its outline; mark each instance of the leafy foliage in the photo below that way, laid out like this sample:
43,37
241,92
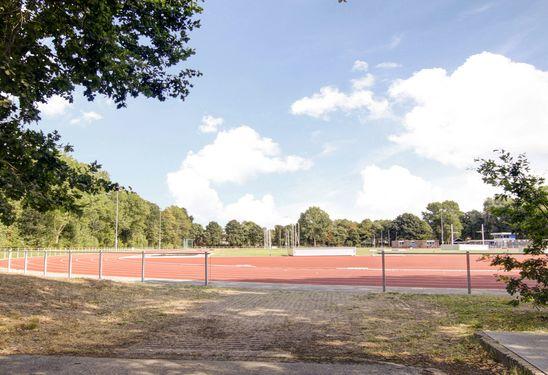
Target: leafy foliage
411,227
118,49
447,212
314,225
526,208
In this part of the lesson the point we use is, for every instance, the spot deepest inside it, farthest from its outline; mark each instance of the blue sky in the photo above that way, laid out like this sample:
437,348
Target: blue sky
436,83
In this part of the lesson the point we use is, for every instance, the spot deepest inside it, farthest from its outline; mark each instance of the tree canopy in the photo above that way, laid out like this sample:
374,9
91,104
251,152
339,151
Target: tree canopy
314,224
48,48
525,207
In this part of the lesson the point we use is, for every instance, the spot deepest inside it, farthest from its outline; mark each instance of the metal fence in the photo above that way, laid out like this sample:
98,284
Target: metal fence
387,270
91,263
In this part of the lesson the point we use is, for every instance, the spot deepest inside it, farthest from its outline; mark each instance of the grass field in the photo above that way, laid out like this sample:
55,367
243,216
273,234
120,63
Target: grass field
44,316
260,252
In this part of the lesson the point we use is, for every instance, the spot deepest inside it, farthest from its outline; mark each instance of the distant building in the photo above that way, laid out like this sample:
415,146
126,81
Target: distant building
406,244
503,239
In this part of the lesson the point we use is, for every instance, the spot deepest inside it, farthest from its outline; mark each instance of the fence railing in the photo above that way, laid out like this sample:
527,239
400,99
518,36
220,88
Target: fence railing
387,270
91,263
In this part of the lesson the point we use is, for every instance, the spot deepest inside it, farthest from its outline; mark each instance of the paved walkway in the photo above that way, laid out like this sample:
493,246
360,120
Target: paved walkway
45,365
532,347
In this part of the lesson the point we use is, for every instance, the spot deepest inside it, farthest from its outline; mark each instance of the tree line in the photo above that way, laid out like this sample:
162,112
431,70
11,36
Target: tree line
93,225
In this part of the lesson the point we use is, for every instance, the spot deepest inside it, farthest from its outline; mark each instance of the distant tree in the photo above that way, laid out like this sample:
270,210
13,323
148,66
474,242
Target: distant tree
366,232
451,214
496,220
278,236
471,224
411,227
254,234
526,209
344,232
213,234
314,225
197,233
176,226
235,233
50,47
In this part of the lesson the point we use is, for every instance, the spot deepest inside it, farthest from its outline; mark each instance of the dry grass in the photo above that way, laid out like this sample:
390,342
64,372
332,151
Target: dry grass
437,331
39,316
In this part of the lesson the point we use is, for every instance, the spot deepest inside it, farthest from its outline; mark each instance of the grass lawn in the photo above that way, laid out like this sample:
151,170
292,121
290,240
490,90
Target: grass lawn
104,318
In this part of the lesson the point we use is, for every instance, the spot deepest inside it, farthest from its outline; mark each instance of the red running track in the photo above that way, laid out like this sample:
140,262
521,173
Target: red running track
416,270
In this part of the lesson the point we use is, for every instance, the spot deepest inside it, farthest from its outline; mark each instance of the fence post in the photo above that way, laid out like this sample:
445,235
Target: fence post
468,277
70,264
206,278
383,273
9,260
45,262
100,264
143,266
26,261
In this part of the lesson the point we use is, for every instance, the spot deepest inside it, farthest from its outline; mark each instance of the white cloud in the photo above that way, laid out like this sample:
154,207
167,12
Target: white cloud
362,83
262,211
388,65
54,106
210,124
235,156
330,99
360,66
386,193
328,149
395,41
489,102
86,118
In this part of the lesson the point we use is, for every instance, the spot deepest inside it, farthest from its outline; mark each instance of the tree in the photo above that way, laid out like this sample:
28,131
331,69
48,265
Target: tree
176,226
495,218
366,232
47,48
213,234
197,233
235,233
254,234
411,227
344,232
448,212
471,224
526,208
314,224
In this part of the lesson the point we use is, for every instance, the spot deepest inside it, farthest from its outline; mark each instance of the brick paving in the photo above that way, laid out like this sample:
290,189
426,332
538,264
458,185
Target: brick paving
283,325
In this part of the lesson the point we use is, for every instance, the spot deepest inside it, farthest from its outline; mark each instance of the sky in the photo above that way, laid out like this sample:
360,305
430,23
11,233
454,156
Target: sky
367,109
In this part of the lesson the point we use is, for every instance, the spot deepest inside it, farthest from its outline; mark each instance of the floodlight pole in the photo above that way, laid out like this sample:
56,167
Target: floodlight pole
116,223
452,235
482,235
160,232
441,224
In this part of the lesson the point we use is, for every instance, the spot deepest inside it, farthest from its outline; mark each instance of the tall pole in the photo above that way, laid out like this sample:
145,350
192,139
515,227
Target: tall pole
482,235
160,232
452,235
441,224
116,223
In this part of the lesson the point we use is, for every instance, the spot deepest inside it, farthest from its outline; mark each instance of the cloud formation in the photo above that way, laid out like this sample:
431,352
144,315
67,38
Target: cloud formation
360,66
87,118
388,65
330,99
235,156
489,102
388,192
54,106
210,124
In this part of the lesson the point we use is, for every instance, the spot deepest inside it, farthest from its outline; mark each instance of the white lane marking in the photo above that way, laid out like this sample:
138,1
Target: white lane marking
413,269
